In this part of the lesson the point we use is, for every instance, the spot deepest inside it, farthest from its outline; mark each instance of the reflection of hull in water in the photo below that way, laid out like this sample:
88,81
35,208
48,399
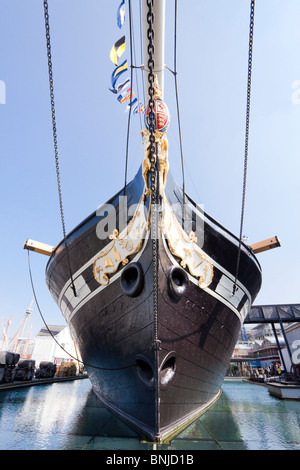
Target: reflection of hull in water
155,389
95,420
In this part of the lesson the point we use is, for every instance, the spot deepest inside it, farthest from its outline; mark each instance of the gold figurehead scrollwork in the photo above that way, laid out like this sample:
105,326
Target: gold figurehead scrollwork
162,142
161,124
130,240
127,243
184,247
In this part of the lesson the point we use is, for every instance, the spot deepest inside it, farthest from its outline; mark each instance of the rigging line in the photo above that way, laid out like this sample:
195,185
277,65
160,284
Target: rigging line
50,72
97,433
246,138
89,441
53,337
177,102
217,442
141,50
172,71
129,115
136,72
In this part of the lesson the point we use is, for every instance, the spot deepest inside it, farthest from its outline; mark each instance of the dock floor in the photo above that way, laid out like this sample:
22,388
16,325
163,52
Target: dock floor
34,382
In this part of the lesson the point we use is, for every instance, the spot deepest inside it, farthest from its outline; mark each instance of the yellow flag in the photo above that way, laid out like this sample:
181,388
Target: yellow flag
117,50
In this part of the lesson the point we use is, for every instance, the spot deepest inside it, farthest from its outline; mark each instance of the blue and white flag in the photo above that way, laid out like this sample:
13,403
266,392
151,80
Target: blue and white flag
121,14
121,86
139,109
133,102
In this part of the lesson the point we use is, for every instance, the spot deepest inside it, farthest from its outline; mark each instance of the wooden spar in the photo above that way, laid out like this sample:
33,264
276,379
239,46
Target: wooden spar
265,245
38,247
258,247
158,42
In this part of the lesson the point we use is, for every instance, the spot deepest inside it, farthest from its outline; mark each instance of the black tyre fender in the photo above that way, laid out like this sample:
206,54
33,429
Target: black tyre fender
132,279
177,282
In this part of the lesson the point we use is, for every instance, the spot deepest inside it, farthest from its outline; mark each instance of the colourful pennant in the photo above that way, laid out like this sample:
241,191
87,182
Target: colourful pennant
131,104
139,109
122,99
121,14
121,86
117,72
117,50
123,90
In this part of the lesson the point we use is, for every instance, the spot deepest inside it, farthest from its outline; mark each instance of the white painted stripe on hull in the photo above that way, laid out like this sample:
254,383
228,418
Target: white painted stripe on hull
223,291
229,300
86,290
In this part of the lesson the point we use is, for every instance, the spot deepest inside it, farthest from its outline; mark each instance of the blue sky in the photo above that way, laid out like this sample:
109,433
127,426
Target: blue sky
212,59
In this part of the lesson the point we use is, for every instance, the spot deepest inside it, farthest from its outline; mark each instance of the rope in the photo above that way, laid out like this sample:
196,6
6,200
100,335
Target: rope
89,441
136,68
51,334
174,72
206,428
47,28
129,115
141,46
177,101
246,139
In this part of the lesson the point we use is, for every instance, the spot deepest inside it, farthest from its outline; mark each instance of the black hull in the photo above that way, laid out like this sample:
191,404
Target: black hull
155,386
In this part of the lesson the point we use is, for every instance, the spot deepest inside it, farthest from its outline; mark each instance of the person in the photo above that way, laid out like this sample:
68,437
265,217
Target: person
272,368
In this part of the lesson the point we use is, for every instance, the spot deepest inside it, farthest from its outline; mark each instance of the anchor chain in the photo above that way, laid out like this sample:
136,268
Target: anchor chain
153,168
51,86
250,53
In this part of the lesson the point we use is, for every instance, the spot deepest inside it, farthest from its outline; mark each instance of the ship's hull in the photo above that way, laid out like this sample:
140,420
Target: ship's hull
156,367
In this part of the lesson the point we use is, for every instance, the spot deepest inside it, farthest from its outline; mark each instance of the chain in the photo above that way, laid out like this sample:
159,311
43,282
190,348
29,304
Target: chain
246,138
150,36
153,169
57,342
47,27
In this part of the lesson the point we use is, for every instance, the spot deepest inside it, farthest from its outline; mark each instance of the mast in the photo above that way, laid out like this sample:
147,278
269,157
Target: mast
158,42
5,335
16,342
